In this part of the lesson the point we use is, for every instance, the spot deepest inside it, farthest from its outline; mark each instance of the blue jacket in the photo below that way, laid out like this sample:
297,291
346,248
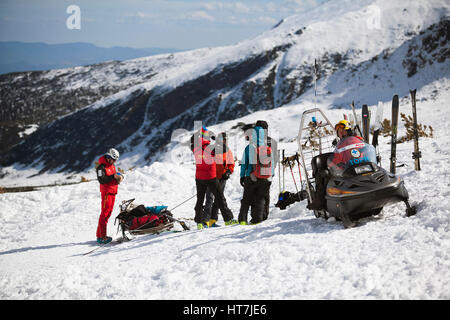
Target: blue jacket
248,160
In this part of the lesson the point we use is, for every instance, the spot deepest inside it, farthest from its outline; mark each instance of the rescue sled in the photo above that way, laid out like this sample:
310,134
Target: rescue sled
356,186
137,220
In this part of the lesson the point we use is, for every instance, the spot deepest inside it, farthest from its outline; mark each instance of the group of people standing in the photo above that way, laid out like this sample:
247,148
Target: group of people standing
215,164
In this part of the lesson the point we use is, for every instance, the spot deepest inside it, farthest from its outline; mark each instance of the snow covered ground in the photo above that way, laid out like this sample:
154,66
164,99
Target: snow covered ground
292,255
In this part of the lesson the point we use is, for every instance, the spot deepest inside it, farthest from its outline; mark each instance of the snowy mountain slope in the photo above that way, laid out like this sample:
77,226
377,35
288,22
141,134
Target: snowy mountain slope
292,255
266,72
44,96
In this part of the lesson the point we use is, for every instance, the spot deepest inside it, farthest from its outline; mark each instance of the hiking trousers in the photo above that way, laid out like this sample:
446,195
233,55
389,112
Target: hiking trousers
107,208
255,193
214,187
211,209
267,201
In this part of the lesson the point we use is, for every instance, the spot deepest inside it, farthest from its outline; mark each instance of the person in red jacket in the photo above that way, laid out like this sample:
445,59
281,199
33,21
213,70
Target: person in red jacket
109,179
205,178
224,168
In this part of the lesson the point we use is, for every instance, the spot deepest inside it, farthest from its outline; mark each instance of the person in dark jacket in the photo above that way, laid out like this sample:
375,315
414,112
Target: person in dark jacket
273,144
206,178
255,188
109,180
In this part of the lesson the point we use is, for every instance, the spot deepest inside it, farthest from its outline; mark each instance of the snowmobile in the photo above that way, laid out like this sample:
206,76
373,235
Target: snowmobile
355,185
137,220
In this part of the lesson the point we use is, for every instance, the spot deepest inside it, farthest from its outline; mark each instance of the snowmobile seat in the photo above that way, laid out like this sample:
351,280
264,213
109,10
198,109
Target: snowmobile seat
319,164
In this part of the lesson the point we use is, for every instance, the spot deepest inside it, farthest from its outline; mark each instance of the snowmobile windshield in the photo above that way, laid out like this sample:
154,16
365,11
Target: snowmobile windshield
351,152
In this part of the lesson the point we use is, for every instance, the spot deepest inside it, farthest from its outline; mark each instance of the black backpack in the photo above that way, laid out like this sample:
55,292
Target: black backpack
101,175
262,123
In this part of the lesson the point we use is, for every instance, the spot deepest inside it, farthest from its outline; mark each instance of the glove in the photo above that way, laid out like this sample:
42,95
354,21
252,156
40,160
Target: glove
334,143
119,177
226,175
242,181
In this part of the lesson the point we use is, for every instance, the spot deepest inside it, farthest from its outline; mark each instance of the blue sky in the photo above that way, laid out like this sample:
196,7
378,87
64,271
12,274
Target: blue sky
181,24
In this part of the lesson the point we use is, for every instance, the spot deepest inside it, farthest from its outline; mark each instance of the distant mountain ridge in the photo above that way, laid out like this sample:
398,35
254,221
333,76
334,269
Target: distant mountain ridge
25,56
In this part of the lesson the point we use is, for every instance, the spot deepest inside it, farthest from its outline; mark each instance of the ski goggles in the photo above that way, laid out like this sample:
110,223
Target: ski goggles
109,157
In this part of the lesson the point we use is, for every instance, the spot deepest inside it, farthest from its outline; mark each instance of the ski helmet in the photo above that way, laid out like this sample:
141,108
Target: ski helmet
113,154
262,123
207,134
344,124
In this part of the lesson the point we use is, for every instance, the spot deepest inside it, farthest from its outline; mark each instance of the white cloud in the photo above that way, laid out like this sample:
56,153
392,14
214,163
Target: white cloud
299,5
146,15
234,7
239,7
271,7
212,6
232,12
267,20
200,15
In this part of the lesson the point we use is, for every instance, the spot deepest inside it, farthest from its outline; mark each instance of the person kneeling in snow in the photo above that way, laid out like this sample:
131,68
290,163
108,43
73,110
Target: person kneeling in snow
109,179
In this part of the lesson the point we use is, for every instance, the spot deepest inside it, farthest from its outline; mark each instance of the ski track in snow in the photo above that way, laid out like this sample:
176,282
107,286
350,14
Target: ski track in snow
292,255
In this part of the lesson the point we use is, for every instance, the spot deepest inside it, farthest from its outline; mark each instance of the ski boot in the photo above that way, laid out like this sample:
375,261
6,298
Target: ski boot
203,225
410,210
231,222
104,240
212,223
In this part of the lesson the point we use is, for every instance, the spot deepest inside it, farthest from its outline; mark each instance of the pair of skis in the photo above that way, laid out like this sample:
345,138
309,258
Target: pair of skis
365,124
379,119
416,155
125,238
364,127
365,115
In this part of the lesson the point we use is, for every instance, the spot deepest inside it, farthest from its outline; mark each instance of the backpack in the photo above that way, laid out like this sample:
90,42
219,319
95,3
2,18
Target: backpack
262,123
263,166
142,219
101,175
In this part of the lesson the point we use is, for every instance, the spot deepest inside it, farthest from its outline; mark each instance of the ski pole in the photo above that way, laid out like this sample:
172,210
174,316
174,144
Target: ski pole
416,154
299,169
183,202
279,174
284,188
292,173
182,223
357,126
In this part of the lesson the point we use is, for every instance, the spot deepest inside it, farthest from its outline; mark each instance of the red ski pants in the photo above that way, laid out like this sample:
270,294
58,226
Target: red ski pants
107,208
